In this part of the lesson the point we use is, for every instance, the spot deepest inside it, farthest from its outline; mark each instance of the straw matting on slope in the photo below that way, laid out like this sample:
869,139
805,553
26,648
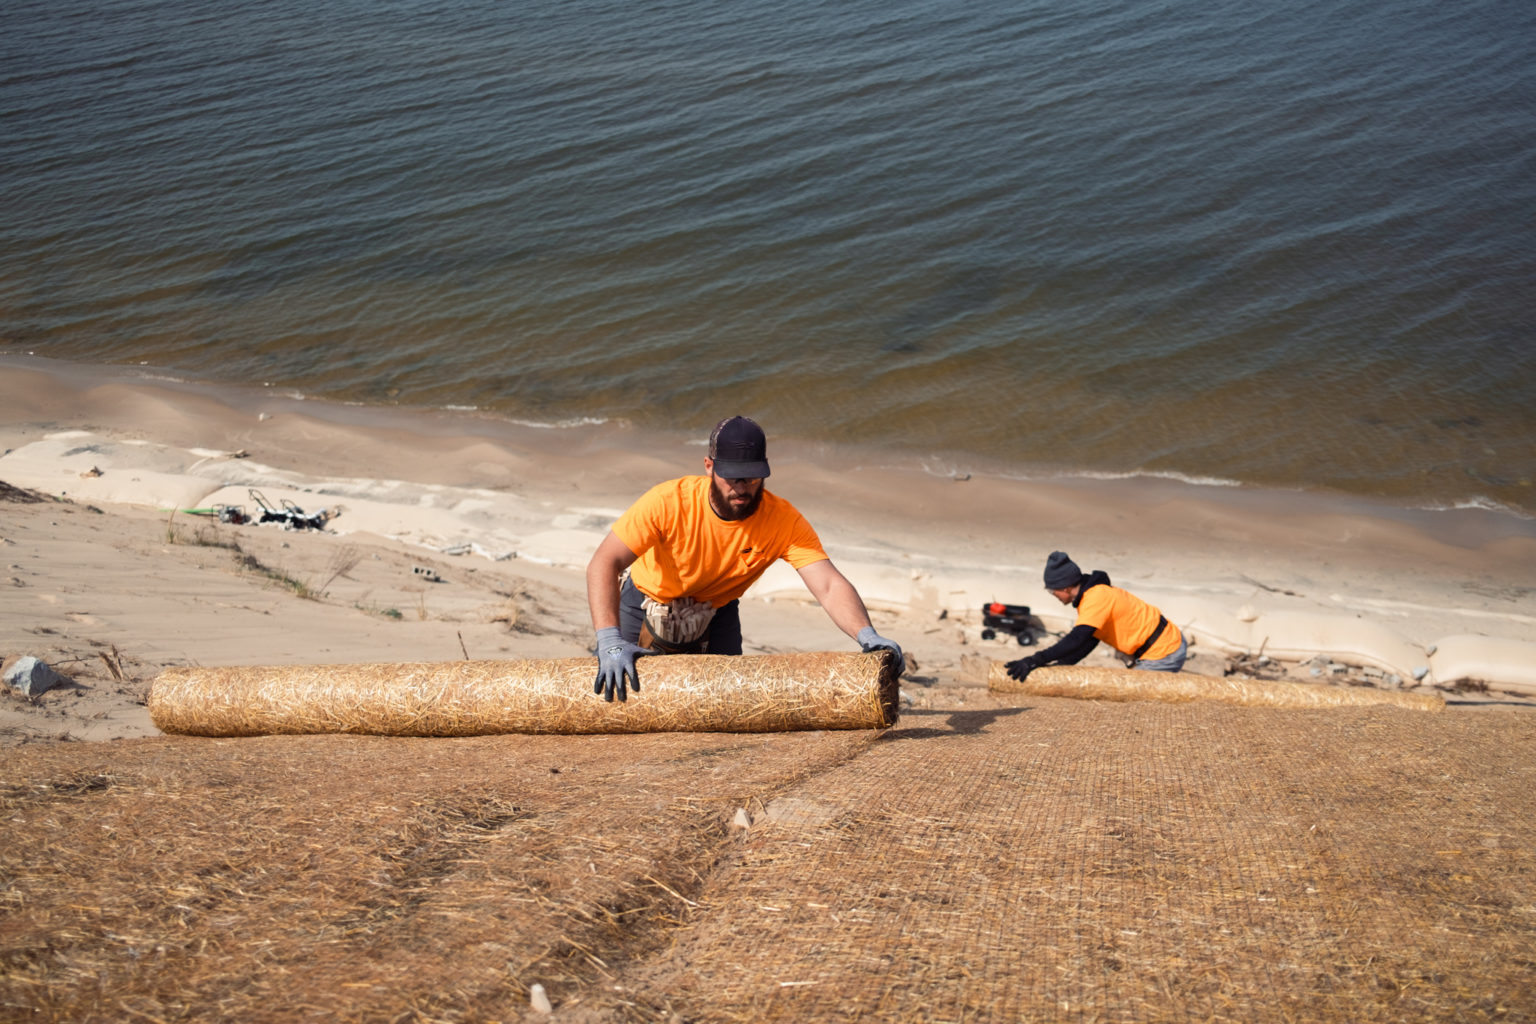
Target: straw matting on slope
1102,683
1088,862
359,878
679,693
1061,861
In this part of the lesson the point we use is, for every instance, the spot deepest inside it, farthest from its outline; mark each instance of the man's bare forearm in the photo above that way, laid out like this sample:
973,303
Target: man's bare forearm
608,562
837,596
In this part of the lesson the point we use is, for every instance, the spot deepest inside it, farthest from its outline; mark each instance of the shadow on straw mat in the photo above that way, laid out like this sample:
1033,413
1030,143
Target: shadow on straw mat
961,723
1487,703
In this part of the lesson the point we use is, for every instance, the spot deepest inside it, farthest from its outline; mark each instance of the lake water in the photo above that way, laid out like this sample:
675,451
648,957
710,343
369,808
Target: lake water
1290,245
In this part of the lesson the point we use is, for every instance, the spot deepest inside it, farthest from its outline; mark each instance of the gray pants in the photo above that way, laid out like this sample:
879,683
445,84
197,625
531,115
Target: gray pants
1172,663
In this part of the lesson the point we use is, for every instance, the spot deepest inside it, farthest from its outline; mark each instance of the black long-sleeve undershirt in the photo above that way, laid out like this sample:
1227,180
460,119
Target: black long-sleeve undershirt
1070,649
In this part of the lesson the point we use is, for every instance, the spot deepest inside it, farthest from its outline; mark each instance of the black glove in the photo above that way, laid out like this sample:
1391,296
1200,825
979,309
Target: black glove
616,664
1021,669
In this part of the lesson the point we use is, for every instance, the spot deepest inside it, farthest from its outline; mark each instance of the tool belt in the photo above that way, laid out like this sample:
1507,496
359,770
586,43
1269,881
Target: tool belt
1146,645
676,627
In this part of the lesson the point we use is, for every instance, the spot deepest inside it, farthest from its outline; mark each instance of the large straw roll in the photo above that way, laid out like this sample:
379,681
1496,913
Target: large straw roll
1176,687
680,693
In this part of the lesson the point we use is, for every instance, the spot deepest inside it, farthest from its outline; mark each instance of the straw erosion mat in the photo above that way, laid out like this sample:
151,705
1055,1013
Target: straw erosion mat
683,693
1177,687
1045,860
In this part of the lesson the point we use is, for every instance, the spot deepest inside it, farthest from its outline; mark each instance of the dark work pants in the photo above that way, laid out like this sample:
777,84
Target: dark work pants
724,628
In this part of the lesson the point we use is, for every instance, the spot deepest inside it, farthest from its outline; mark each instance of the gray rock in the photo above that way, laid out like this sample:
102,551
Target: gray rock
30,677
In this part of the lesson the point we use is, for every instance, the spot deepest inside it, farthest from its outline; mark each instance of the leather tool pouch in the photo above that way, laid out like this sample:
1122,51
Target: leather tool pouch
649,639
679,627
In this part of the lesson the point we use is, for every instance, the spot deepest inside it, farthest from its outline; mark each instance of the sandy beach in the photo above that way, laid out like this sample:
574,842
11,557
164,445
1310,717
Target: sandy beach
449,536
447,527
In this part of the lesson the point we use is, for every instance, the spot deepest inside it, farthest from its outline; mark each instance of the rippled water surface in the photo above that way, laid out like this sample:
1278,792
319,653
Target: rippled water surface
1287,244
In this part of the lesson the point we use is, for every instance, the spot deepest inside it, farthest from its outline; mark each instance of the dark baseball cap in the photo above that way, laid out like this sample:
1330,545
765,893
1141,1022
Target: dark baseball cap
739,449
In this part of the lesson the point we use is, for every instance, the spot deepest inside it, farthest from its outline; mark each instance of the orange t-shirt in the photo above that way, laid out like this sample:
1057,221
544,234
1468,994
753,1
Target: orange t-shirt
1124,621
685,550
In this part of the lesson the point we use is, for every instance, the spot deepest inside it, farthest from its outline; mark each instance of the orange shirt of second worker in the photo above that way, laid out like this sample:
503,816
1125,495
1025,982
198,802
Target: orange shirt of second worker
1124,621
685,550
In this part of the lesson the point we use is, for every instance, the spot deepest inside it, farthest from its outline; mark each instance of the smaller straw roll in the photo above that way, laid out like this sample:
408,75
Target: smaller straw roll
680,693
1125,684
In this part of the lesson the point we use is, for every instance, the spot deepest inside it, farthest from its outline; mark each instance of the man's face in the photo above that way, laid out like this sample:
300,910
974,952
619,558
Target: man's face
1064,596
733,498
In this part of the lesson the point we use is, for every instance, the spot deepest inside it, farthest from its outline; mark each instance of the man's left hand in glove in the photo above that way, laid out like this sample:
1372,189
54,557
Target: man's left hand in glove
869,640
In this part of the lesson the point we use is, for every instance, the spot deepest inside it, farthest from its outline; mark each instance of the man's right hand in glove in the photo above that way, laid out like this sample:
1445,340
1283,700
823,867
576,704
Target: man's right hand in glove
616,664
1021,669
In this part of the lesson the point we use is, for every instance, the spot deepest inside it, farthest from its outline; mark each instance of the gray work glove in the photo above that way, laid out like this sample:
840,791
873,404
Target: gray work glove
616,664
869,640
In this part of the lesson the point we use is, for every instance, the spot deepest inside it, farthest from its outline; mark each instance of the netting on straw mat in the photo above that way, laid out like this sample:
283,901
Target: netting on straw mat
1105,683
680,693
1059,860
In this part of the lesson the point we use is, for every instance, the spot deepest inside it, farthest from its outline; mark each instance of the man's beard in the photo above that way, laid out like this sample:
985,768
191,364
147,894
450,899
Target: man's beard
725,510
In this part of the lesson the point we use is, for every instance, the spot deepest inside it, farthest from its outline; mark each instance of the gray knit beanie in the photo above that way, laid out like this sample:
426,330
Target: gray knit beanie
1061,572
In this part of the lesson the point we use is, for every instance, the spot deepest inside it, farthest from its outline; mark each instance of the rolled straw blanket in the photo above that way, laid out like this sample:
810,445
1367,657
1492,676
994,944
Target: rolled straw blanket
1177,687
680,693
